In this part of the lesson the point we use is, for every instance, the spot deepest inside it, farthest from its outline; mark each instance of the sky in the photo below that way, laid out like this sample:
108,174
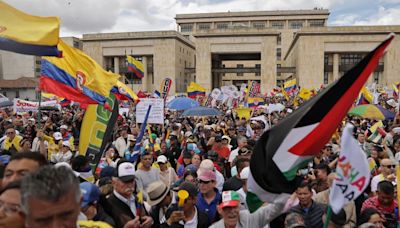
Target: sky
100,16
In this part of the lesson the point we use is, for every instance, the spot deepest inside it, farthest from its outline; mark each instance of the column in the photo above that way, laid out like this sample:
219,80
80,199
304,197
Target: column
116,65
146,80
335,66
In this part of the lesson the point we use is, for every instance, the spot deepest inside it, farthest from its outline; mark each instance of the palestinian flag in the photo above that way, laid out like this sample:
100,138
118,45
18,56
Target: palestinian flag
291,144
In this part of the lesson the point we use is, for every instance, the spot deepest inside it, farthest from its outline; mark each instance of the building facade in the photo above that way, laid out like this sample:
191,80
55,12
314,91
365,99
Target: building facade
216,49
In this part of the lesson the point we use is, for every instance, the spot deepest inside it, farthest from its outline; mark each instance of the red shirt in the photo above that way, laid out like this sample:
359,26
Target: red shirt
373,202
222,151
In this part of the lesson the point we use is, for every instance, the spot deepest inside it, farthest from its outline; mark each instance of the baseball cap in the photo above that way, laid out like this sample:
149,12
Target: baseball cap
189,187
90,193
131,138
227,138
230,199
162,159
206,164
64,127
294,220
207,175
57,135
125,171
66,143
218,138
241,128
244,174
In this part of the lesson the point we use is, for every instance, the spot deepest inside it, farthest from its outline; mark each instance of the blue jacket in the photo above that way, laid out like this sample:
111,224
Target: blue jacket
209,209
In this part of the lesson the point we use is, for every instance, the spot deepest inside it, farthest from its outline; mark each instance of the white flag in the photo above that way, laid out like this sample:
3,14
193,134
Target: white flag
352,172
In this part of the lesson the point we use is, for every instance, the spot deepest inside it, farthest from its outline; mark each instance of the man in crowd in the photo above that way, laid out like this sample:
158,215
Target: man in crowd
386,169
124,206
11,143
242,142
233,217
235,183
311,211
147,174
22,164
189,215
209,196
384,203
159,198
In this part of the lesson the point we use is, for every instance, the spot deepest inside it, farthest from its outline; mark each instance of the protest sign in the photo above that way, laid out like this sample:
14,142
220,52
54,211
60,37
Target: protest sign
156,115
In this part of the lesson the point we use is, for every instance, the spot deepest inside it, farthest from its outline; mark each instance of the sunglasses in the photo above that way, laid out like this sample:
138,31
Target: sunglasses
10,132
204,182
390,166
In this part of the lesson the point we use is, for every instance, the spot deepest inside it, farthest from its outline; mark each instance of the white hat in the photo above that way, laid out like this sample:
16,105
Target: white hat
66,143
64,127
131,138
392,103
57,135
126,171
244,174
206,164
162,159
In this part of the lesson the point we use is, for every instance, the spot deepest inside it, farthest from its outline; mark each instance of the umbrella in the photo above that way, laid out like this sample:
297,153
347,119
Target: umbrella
6,103
371,111
201,111
182,103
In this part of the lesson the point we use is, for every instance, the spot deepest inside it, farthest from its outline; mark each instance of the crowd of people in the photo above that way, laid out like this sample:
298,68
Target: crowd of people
47,182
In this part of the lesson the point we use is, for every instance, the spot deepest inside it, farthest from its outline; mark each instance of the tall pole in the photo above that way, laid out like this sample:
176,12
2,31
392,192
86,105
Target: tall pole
39,109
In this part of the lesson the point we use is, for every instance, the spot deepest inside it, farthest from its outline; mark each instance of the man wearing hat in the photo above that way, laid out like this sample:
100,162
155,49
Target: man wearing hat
122,142
63,155
159,198
123,205
209,196
66,136
129,150
90,204
189,215
233,217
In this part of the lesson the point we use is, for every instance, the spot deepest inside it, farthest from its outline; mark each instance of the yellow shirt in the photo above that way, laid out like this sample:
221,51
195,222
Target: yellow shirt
15,142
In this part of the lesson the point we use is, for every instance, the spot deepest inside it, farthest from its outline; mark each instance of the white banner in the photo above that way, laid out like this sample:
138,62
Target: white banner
352,172
27,106
156,115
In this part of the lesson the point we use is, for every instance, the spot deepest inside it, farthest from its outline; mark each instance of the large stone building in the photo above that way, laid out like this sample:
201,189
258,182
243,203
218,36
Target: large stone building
215,49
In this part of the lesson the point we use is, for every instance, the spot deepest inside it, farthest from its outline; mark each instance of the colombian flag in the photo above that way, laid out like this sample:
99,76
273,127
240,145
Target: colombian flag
365,97
76,77
290,86
255,101
305,94
123,92
194,90
27,34
135,66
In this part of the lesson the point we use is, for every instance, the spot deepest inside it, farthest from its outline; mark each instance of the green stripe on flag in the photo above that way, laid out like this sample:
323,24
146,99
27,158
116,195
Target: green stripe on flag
253,202
291,174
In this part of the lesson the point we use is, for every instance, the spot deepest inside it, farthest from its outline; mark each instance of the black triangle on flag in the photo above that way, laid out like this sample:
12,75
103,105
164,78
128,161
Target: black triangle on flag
291,144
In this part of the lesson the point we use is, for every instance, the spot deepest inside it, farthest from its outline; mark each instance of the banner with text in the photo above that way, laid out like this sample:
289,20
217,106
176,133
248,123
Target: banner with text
27,106
157,110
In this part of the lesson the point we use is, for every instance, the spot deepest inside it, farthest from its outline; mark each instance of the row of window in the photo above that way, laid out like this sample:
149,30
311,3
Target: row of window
255,24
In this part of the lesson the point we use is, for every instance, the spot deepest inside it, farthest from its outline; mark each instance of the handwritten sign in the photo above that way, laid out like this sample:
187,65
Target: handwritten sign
156,115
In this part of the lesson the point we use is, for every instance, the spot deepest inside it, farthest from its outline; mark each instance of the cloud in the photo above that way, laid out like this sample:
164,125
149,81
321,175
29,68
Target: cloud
96,16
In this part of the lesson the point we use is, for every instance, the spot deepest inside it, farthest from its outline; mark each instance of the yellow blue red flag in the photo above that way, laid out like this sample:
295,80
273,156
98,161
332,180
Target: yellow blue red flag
290,86
194,90
135,66
76,77
28,34
123,92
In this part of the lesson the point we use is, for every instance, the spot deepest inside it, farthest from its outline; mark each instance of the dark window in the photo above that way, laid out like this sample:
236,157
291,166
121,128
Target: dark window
326,78
317,23
258,66
222,25
296,24
350,59
278,54
186,27
239,66
259,24
279,40
204,26
277,24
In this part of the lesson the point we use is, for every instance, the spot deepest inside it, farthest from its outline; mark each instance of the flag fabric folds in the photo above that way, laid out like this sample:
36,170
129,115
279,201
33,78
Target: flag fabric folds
123,92
76,77
27,34
377,132
365,97
194,90
294,141
290,86
305,94
352,172
255,101
135,66
136,148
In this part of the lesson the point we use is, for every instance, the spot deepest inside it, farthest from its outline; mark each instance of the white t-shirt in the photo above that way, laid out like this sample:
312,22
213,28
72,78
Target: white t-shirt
233,155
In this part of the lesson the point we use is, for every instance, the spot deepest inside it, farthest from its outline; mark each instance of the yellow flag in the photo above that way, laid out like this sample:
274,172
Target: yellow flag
243,112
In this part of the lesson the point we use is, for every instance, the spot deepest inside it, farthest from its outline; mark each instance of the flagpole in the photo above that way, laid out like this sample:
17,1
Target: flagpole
328,216
39,111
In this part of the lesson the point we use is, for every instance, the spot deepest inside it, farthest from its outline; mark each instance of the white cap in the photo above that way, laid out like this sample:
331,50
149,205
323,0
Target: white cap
392,103
131,138
57,135
206,164
162,159
126,171
64,127
244,174
66,143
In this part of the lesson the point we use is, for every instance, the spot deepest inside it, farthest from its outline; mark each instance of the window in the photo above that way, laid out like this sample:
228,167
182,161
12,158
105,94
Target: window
222,25
76,44
296,24
17,94
317,23
326,59
204,26
376,77
259,24
350,59
37,70
239,66
278,54
326,78
277,24
240,24
38,62
186,27
258,66
279,40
